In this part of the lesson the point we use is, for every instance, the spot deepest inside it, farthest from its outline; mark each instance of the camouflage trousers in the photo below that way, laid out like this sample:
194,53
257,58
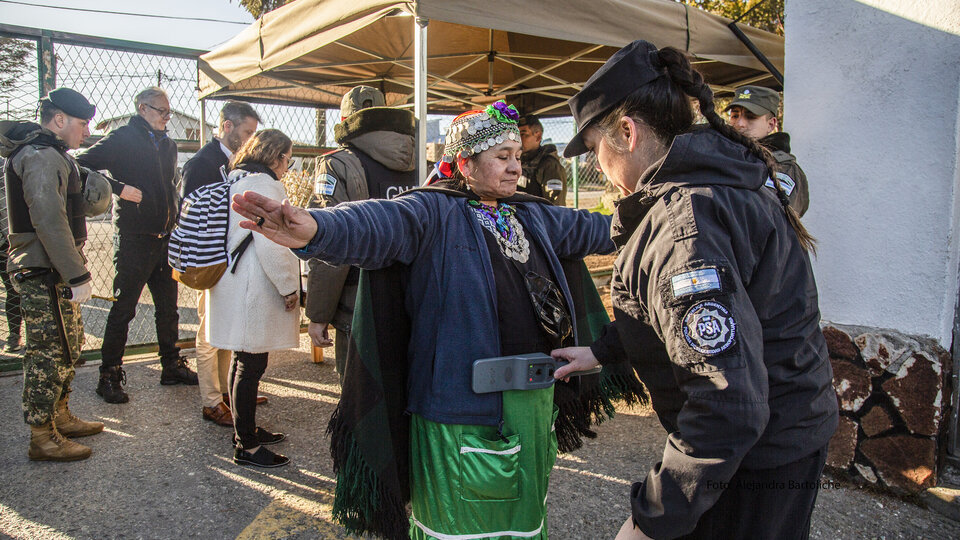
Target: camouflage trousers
46,374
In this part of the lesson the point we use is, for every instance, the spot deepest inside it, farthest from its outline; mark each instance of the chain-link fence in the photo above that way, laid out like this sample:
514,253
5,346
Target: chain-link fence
585,184
110,74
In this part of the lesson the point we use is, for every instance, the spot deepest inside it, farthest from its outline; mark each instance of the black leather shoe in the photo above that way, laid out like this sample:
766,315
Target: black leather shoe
109,386
264,437
263,457
177,372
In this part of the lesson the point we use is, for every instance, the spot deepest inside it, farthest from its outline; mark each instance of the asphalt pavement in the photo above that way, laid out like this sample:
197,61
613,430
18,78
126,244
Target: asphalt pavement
160,471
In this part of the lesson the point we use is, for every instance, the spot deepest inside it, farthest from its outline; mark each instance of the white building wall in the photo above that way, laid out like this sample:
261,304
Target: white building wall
871,103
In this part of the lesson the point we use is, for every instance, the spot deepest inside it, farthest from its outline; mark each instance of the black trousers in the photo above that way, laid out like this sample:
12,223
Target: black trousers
762,504
11,305
140,260
245,372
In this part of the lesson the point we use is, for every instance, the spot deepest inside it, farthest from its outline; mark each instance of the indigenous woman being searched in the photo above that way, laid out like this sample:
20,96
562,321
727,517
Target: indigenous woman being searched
479,277
715,305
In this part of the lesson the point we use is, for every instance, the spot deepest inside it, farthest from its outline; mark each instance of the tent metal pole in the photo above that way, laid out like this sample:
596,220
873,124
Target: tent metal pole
204,136
756,52
420,89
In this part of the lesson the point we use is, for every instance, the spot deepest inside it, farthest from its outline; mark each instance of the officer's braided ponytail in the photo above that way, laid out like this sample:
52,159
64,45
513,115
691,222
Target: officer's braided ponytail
662,105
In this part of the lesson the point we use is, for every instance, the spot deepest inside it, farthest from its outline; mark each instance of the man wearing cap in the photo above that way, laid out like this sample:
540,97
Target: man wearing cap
753,112
238,122
47,200
376,160
543,173
142,155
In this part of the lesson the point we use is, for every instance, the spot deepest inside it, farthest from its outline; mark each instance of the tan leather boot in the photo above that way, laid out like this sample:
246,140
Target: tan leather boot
69,425
47,444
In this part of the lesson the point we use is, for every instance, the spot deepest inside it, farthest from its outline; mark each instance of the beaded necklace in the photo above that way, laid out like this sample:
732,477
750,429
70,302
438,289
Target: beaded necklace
498,215
502,222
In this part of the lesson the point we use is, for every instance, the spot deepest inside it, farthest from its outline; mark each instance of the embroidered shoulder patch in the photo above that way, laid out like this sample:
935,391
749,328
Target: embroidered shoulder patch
554,185
695,281
709,328
786,183
325,184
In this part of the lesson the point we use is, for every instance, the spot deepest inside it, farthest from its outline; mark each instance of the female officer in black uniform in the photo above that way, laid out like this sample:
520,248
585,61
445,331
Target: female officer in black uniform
715,306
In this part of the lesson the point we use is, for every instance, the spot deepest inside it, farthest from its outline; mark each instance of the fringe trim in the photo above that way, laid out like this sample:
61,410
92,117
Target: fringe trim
596,406
362,504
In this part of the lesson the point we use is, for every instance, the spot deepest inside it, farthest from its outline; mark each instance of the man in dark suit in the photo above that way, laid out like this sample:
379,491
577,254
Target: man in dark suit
238,122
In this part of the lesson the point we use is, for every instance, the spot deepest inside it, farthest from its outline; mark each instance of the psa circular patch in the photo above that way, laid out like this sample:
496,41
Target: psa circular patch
709,328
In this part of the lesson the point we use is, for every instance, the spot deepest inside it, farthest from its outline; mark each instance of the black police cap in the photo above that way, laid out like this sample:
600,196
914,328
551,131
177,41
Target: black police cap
71,102
627,70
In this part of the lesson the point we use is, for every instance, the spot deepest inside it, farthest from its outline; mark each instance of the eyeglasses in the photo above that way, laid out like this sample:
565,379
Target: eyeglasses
165,113
549,306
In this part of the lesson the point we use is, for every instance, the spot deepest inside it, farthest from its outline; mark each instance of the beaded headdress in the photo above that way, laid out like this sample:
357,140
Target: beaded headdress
475,131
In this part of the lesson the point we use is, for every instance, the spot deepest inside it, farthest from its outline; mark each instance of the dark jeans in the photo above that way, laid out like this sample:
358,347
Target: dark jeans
245,372
140,260
12,303
761,504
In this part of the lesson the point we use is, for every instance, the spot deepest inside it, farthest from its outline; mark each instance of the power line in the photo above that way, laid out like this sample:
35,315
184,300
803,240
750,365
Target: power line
102,11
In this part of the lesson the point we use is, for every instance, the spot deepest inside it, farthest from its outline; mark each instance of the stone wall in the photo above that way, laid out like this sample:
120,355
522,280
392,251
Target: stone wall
894,396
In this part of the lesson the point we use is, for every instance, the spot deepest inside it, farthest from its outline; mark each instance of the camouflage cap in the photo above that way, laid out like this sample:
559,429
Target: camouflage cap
360,97
757,99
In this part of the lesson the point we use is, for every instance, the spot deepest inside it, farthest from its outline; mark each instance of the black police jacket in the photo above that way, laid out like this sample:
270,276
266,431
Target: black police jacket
716,307
146,159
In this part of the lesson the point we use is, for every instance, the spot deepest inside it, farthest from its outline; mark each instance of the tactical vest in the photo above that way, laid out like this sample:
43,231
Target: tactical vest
18,213
382,183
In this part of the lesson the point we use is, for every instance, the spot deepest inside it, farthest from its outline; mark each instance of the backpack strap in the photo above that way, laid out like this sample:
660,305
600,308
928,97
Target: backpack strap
238,251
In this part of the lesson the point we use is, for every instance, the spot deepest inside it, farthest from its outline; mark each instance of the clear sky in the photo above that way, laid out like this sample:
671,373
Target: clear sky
160,28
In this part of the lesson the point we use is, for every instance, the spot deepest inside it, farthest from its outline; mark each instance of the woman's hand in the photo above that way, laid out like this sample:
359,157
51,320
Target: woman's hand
319,334
291,301
629,532
132,194
283,223
579,358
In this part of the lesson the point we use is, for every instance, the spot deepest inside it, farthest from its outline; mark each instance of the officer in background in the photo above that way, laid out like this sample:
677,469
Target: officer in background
376,160
543,172
48,196
753,112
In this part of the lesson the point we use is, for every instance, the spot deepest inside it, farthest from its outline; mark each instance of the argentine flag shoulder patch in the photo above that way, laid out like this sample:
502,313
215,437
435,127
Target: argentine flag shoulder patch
786,183
325,185
695,281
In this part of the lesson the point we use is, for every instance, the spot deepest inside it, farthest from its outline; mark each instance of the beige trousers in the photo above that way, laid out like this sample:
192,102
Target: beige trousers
213,365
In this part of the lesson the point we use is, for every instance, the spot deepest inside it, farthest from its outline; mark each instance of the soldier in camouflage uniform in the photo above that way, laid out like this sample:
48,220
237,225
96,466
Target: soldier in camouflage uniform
48,196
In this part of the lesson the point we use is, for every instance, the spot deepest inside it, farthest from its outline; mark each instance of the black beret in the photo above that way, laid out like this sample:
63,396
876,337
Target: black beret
71,102
627,70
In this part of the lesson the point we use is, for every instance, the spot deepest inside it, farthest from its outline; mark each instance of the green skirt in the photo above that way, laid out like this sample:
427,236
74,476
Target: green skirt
467,483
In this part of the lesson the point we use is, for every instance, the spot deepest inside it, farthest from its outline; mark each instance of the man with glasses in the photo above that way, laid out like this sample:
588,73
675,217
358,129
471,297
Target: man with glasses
141,154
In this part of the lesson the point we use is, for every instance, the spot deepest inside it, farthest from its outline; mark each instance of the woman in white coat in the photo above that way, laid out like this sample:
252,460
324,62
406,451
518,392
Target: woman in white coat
252,310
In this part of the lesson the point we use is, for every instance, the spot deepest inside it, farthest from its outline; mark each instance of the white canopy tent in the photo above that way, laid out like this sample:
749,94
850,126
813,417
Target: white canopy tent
535,53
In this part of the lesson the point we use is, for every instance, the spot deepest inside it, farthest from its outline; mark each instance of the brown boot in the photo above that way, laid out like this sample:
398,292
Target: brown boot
47,444
69,425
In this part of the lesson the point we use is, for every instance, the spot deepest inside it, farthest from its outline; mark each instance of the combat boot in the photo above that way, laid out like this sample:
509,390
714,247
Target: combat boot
176,371
69,425
47,444
109,386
